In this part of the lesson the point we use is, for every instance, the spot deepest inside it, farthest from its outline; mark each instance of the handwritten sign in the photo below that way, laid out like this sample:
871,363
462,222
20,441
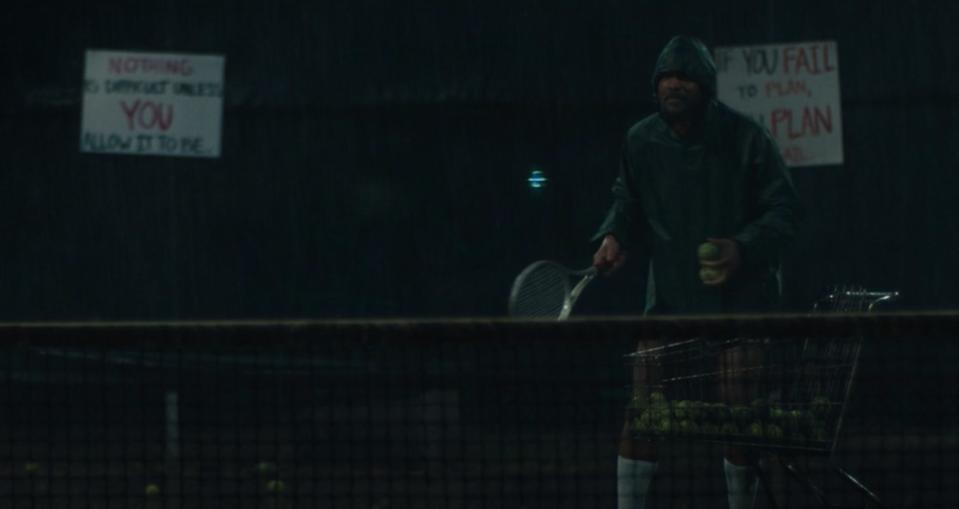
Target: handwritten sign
792,90
152,104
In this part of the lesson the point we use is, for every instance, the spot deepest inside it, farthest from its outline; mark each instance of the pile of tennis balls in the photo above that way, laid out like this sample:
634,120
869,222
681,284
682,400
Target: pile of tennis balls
758,421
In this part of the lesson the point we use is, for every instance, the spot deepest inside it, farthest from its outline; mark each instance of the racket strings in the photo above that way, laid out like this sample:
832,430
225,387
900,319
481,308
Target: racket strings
541,293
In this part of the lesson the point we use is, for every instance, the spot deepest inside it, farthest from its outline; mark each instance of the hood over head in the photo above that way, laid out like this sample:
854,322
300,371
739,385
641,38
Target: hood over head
689,56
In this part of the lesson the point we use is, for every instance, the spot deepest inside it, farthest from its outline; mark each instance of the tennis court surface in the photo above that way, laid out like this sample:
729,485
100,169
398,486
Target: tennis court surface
456,413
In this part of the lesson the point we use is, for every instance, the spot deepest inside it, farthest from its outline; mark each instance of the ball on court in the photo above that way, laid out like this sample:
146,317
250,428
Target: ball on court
708,251
152,490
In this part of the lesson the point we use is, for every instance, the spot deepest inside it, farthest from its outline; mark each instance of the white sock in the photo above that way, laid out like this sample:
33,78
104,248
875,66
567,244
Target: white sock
632,482
742,484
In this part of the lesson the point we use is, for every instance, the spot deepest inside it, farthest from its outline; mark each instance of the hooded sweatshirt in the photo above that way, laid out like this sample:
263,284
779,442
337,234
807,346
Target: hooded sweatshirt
726,179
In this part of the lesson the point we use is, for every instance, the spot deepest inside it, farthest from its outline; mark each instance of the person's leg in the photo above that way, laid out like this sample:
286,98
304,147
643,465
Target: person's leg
740,383
742,484
638,458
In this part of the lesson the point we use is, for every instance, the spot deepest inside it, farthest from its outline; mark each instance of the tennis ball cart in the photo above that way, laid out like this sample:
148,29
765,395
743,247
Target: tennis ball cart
779,397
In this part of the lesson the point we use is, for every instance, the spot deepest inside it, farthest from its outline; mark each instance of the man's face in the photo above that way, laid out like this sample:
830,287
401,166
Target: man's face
678,96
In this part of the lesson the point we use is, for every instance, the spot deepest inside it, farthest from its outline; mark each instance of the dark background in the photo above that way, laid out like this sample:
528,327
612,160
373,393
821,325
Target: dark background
374,155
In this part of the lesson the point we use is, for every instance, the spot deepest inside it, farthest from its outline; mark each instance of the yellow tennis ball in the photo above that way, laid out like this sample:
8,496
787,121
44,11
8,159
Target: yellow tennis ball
688,427
275,486
773,431
820,406
707,274
729,429
708,251
152,490
266,467
657,398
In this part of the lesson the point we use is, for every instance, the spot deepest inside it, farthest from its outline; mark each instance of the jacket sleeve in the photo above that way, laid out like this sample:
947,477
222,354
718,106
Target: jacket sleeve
625,216
776,208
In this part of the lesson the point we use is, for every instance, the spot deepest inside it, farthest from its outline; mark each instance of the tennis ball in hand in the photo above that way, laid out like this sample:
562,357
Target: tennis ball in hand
708,251
708,274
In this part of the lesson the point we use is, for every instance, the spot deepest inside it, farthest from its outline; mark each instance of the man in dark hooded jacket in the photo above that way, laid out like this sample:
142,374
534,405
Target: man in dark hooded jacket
696,172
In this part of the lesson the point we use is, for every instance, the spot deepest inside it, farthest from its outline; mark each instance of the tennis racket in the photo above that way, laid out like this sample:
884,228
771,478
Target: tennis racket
547,289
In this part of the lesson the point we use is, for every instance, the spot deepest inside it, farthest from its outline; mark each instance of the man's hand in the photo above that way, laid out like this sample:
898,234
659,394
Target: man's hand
609,257
717,272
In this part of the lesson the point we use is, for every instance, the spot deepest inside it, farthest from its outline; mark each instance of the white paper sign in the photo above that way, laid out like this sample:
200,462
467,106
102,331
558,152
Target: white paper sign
792,90
152,104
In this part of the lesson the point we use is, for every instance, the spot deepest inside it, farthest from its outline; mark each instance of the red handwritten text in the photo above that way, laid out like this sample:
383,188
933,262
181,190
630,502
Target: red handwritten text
811,121
809,59
787,88
147,115
150,65
812,59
